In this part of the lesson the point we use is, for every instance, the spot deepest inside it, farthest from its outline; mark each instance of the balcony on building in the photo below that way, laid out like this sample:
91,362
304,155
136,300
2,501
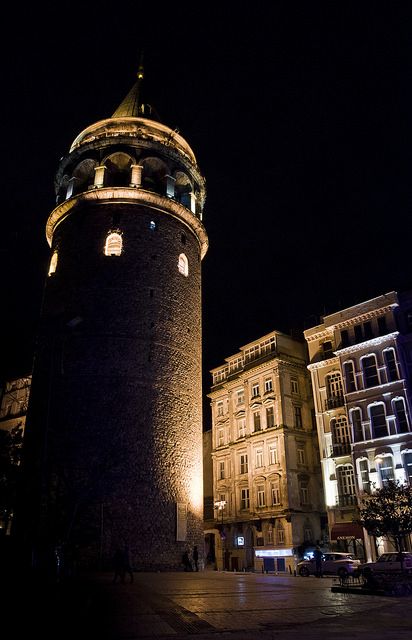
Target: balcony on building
348,500
340,449
334,402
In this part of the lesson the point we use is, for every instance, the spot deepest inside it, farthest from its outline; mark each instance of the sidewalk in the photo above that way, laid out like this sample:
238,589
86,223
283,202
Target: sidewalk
204,605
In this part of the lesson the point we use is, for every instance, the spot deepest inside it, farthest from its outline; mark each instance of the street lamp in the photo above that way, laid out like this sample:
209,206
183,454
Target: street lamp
220,505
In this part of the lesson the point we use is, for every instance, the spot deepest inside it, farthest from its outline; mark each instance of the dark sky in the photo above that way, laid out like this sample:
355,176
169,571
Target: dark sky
300,119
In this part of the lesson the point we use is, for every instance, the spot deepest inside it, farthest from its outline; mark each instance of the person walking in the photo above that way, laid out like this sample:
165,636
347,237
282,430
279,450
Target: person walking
318,556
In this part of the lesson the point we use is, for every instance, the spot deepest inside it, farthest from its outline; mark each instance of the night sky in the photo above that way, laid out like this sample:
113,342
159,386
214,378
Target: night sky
300,120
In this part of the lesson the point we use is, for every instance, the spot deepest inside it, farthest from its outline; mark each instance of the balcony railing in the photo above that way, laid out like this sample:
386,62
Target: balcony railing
334,402
346,501
340,449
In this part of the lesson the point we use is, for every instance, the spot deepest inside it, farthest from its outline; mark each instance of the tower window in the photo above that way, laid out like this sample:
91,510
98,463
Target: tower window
113,245
183,265
53,264
152,225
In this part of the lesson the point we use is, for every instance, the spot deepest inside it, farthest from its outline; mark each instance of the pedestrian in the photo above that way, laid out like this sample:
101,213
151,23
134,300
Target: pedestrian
186,562
196,558
318,556
126,563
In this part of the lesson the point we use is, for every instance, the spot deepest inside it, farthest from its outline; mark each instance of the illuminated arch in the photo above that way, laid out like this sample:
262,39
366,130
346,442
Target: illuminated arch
183,265
113,245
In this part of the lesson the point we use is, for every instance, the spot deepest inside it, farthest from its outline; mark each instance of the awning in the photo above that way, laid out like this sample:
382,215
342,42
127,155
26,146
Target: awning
346,531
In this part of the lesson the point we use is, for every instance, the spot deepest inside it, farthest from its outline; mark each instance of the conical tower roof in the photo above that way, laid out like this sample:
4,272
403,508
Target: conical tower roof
131,105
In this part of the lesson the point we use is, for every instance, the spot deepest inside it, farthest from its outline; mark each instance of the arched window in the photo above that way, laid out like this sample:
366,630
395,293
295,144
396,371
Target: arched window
346,484
53,264
183,265
114,244
364,481
356,420
385,467
370,371
377,416
349,374
398,405
389,357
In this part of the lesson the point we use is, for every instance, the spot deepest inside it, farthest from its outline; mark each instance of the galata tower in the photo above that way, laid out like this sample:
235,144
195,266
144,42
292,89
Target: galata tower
113,443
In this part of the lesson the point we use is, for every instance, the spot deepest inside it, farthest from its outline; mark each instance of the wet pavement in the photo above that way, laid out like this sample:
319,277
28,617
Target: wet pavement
208,604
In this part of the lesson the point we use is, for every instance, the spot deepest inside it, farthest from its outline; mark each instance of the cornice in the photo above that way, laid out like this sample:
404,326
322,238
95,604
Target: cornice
373,342
128,195
324,363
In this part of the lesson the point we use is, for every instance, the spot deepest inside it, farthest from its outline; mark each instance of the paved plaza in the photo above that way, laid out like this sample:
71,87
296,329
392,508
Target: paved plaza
214,605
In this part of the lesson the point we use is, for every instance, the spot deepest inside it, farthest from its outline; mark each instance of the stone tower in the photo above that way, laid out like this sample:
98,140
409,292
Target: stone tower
113,450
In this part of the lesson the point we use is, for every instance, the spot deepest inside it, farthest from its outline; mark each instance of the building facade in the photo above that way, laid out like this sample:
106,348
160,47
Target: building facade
360,363
266,477
113,453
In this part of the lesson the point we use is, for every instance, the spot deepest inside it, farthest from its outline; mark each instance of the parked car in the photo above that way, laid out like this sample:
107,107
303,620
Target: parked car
389,563
340,564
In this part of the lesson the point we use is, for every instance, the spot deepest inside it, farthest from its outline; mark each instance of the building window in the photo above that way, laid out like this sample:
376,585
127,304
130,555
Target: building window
219,407
304,492
407,465
261,495
367,328
334,386
301,456
275,492
183,265
358,332
152,225
382,326
255,390
53,263
377,416
270,417
385,466
298,417
268,385
256,421
221,469
349,374
281,535
340,430
259,458
244,498
273,454
327,349
398,405
344,338
346,482
113,245
241,427
356,420
364,475
294,386
240,396
243,463
370,371
390,363
220,438
270,535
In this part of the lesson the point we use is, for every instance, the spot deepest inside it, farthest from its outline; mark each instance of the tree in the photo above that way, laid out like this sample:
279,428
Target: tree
388,512
10,455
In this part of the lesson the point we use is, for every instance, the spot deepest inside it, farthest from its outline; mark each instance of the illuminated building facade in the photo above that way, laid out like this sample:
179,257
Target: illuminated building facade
266,475
360,363
113,453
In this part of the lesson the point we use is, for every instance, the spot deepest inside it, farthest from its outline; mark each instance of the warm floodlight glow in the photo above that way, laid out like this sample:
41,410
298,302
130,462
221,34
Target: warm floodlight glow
53,264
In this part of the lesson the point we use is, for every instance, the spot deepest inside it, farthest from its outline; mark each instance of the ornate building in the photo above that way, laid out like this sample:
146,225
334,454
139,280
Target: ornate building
266,475
360,363
113,450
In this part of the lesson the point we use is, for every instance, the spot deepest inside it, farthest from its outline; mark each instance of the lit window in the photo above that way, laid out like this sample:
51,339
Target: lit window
183,265
386,472
53,264
114,244
152,225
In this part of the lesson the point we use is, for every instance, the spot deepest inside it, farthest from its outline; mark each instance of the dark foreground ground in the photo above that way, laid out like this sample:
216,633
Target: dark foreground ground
200,605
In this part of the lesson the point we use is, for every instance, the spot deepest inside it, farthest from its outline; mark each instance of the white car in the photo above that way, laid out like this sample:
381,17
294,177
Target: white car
389,563
338,564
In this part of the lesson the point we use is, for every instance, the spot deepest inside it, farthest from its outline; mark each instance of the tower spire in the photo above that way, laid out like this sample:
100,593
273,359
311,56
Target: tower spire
132,105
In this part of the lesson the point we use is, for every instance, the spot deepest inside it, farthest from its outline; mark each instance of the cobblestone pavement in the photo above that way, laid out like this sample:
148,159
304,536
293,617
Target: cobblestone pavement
241,607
